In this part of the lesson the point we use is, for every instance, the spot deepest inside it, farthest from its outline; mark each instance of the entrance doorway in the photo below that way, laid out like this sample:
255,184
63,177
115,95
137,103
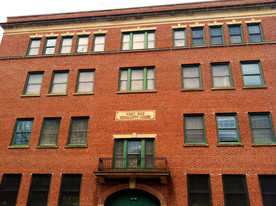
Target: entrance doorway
132,198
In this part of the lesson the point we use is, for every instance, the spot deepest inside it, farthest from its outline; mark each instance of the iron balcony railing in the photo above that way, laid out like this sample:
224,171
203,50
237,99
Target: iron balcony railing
133,163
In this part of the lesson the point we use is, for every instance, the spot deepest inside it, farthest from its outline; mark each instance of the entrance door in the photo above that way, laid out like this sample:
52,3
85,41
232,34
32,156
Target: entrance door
132,198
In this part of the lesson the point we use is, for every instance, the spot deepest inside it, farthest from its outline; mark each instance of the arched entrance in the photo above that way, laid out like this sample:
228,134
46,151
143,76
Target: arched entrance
132,198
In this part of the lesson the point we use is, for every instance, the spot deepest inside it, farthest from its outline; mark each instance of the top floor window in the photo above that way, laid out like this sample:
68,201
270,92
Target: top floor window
255,32
34,46
138,40
216,35
198,36
235,33
66,44
179,37
82,45
50,45
99,42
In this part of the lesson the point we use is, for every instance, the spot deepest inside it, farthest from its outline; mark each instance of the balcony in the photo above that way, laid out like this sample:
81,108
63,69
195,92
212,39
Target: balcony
132,168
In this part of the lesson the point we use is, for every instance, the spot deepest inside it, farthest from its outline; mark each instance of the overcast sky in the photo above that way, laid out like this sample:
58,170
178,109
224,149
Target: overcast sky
32,7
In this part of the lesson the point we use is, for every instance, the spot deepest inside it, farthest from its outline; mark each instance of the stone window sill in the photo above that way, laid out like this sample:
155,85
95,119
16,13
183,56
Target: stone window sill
47,147
86,93
75,146
29,95
134,92
191,90
264,145
255,87
195,145
18,147
229,145
223,88
53,95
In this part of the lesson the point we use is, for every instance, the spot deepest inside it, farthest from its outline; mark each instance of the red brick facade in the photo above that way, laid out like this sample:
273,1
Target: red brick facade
169,102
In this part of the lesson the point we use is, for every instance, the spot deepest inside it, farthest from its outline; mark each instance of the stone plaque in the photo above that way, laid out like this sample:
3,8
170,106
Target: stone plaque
135,115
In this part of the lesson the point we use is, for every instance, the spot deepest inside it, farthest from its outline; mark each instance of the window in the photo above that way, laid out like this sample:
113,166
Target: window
235,190
33,83
85,81
78,131
268,189
50,45
191,77
137,79
34,46
138,40
199,190
216,35
252,73
66,44
22,132
255,32
261,128
70,189
228,130
133,154
179,37
82,45
235,34
221,75
194,128
39,189
9,189
49,132
99,42
59,82
197,36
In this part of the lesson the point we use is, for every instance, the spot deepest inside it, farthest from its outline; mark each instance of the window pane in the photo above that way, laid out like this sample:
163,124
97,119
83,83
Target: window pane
86,76
220,70
226,122
82,48
228,135
85,87
126,38
221,82
137,85
235,39
255,37
23,132
198,42
51,42
262,135
217,40
99,47
216,31
33,51
191,83
83,40
234,30
150,45
179,34
190,72
35,78
60,78
65,49
67,41
199,199
250,68
260,121
254,29
138,45
252,80
138,37
134,147
179,42
126,46
236,199
151,36
99,39
50,50
197,33
33,89
194,122
194,136
35,43
59,88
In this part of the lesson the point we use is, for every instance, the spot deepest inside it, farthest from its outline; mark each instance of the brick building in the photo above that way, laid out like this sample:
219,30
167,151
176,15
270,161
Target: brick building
165,105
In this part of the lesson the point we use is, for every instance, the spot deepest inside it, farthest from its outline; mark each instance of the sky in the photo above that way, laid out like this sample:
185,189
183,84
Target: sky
34,7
